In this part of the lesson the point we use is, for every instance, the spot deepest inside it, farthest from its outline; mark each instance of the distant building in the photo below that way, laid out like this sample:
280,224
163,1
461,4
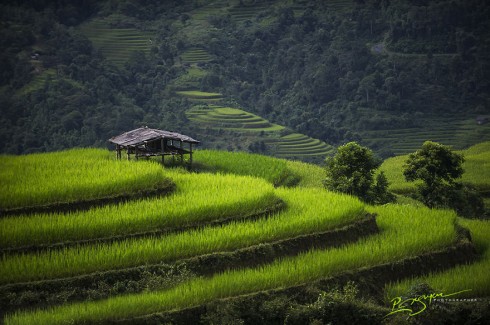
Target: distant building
146,142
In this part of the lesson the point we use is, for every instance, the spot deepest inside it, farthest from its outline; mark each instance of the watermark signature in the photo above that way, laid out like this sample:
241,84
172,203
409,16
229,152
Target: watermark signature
416,305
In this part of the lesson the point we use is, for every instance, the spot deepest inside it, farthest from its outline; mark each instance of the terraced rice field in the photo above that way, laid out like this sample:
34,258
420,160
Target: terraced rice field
38,81
200,96
195,55
228,118
191,79
117,44
404,232
339,5
69,176
458,132
247,11
209,8
293,145
451,281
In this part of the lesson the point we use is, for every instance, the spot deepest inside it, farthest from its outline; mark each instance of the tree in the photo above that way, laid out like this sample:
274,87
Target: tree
439,168
352,171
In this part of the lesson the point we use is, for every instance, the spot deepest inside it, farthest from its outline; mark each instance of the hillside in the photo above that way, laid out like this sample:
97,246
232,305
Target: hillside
225,241
388,75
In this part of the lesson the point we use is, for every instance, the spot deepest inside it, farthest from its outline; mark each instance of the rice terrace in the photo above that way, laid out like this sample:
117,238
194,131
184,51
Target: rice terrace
243,162
239,228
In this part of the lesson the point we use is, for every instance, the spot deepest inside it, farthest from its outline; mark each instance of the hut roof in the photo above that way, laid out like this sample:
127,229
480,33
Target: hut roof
139,136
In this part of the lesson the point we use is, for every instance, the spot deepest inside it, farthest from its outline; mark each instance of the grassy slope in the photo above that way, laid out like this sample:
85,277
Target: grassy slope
473,277
73,175
145,215
405,231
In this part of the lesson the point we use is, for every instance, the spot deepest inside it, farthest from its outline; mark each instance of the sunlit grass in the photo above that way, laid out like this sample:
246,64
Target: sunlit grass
273,170
473,277
309,211
71,176
405,231
198,198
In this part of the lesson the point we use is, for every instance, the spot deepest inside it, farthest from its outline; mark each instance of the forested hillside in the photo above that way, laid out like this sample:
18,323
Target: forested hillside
389,74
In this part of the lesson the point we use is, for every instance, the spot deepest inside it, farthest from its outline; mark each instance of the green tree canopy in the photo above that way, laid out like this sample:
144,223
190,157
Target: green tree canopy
352,171
434,164
438,167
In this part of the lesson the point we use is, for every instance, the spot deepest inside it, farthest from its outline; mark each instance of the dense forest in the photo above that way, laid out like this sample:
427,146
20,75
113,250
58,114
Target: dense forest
333,74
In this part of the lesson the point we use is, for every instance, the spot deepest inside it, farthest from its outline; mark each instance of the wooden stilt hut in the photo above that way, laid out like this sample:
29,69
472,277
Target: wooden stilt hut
146,142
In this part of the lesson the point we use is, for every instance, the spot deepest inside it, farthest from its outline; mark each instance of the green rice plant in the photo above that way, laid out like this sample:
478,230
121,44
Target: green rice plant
393,169
71,176
406,231
190,79
309,211
271,169
310,175
199,198
477,166
198,94
232,119
473,277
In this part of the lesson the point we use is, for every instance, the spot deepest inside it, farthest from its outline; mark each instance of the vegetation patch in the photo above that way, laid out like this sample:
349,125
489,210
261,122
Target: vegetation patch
405,232
304,215
117,44
196,94
296,145
13,296
273,170
275,205
191,79
195,55
458,131
77,175
268,135
475,168
198,200
369,279
472,277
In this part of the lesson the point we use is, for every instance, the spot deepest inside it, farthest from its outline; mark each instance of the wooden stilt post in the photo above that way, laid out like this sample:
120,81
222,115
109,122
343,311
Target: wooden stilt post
127,152
162,144
190,154
181,153
173,156
136,152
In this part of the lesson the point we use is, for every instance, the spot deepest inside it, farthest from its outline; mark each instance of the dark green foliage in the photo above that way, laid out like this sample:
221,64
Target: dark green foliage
434,164
352,171
99,286
339,306
380,193
439,168
335,71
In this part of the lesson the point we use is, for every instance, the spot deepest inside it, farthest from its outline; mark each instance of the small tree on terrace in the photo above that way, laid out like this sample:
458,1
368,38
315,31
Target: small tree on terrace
439,168
352,171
